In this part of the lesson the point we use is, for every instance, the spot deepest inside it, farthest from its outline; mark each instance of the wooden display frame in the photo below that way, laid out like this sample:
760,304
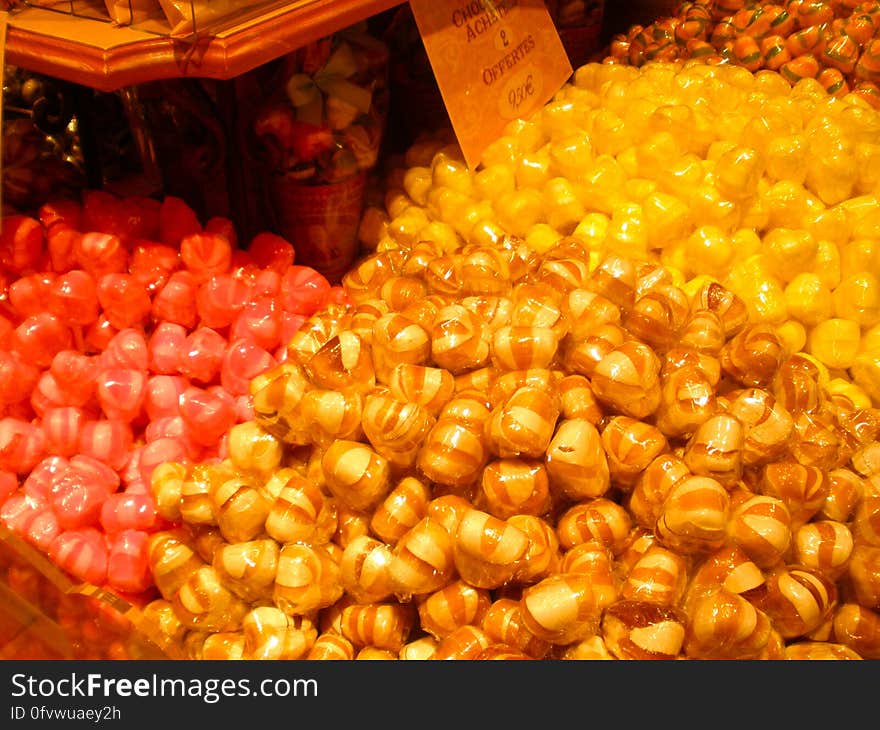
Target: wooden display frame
97,54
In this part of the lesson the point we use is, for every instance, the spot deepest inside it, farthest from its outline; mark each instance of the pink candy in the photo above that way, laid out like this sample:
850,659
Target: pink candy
244,360
202,355
128,566
163,396
121,392
22,240
207,414
165,348
107,440
176,301
82,553
127,349
61,427
8,484
129,339
129,511
39,337
22,445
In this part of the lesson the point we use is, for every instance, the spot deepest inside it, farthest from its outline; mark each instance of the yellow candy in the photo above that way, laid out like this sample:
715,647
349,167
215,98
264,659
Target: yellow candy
790,204
501,151
738,171
666,218
656,154
533,169
601,185
446,204
417,182
628,161
571,155
808,299
593,228
709,249
528,135
406,227
839,386
827,264
559,117
829,224
860,255
793,335
787,158
789,251
639,188
493,181
519,210
868,166
710,208
761,290
871,339
542,237
562,206
397,201
865,371
627,234
857,297
442,234
485,233
610,134
746,243
835,342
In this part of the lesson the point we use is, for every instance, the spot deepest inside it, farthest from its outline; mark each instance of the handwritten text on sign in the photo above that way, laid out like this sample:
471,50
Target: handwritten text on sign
494,62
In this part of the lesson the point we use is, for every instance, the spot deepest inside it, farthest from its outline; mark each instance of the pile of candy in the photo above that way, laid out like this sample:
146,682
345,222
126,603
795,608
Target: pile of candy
502,454
716,172
129,334
835,42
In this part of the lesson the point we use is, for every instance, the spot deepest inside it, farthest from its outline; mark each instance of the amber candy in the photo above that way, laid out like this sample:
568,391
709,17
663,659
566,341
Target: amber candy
503,623
627,380
645,501
560,609
630,446
270,634
524,424
456,605
753,356
248,568
405,505
301,512
638,630
576,462
308,579
595,559
514,486
694,515
487,550
724,625
687,400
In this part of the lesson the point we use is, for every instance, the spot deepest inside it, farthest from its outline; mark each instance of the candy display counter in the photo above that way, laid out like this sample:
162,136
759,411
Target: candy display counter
612,394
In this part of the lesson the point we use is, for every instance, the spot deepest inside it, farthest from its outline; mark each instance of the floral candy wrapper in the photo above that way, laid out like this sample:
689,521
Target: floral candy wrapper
316,138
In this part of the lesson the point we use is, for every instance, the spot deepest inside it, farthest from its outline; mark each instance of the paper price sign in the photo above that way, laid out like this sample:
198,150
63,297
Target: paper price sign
494,61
